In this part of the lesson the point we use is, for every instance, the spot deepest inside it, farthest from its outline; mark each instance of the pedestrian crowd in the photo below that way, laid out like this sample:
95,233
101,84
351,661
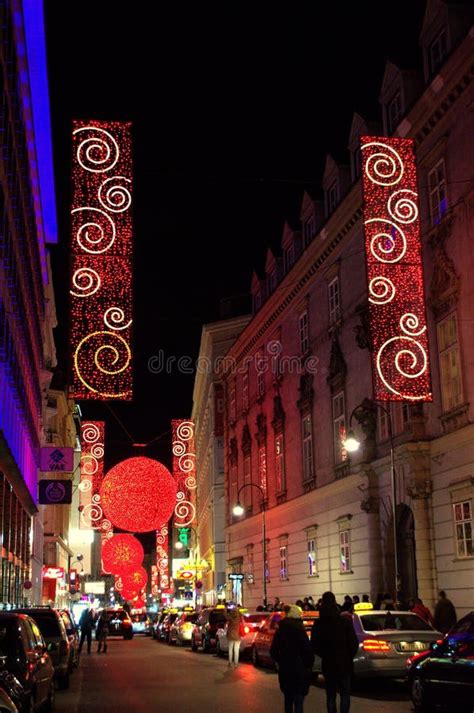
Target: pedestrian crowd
87,623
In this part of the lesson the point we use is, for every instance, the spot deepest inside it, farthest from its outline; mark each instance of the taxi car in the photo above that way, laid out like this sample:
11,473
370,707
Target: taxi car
251,623
444,675
260,651
204,632
182,628
386,640
119,623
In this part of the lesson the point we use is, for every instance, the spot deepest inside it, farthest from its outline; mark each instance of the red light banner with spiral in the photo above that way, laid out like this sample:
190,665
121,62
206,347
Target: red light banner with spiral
184,471
92,474
397,314
101,262
162,560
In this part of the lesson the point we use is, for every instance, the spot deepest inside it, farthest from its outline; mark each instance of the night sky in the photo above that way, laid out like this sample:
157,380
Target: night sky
234,109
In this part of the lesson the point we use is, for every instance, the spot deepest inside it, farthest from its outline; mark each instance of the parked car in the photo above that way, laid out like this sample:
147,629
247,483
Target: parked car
168,621
443,675
23,653
73,636
386,640
52,627
140,623
182,628
13,697
120,623
204,632
260,650
251,623
158,624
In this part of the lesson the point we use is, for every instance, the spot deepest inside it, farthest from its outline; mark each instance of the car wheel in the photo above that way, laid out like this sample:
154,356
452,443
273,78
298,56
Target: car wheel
64,682
255,657
219,651
418,695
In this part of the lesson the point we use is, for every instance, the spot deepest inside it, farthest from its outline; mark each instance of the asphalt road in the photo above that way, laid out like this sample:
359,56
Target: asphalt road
144,676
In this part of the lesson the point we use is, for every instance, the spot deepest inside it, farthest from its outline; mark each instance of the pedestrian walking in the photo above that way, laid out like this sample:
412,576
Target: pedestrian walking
445,614
102,631
422,611
86,624
291,650
333,639
234,621
348,604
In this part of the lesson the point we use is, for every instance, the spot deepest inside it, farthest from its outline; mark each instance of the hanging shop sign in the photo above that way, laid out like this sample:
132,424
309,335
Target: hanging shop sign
53,572
55,492
56,458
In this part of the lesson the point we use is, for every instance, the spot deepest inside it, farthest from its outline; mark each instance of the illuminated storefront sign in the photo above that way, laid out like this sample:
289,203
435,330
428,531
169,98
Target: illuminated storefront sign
400,358
101,269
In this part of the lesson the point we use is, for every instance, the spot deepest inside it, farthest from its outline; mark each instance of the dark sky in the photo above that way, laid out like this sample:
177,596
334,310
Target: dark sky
234,109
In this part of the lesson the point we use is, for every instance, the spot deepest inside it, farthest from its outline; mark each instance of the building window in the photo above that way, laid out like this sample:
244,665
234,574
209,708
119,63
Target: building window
438,194
262,469
257,301
283,561
339,421
232,404
463,525
307,435
449,363
304,332
438,51
233,487
332,197
289,257
309,230
345,550
267,561
312,565
250,565
245,391
280,464
247,492
334,301
260,364
394,112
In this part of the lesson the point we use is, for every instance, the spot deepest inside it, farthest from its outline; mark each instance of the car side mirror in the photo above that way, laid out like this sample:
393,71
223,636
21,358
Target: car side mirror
51,646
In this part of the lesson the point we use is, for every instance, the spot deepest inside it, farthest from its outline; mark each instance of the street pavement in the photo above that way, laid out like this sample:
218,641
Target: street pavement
145,676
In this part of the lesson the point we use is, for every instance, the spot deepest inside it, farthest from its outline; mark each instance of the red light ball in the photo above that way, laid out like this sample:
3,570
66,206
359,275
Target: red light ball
139,603
122,553
138,494
135,580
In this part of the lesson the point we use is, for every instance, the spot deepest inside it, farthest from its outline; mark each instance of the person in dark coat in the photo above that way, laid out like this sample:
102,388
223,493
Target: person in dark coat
333,639
445,615
86,624
291,650
102,631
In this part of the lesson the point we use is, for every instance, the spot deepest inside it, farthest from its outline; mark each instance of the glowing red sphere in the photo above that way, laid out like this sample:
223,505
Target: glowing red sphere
122,553
135,580
129,594
138,494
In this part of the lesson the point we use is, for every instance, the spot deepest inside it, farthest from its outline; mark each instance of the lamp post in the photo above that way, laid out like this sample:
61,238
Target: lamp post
238,510
352,444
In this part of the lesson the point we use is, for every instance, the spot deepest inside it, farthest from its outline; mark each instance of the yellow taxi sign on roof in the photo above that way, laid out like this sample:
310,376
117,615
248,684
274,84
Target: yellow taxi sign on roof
363,606
220,606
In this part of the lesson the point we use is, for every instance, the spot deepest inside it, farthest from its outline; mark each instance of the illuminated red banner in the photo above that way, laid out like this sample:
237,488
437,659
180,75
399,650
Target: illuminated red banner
92,475
184,470
53,572
397,313
162,561
101,263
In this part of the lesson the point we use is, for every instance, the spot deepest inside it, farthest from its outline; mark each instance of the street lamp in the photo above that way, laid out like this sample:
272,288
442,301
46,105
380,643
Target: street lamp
238,511
352,444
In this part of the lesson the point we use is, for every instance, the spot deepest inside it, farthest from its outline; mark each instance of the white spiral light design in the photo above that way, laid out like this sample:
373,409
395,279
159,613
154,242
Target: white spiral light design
117,198
119,352
415,369
91,514
185,430
410,324
384,167
113,317
85,485
383,244
86,281
402,207
190,482
381,290
179,449
85,235
90,433
187,462
97,450
103,143
89,464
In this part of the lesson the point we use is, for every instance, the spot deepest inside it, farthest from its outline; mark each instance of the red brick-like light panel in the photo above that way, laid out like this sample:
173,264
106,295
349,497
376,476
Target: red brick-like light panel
101,262
397,313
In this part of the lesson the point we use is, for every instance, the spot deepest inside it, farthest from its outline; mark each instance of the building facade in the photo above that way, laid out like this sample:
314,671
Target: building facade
303,368
28,223
208,415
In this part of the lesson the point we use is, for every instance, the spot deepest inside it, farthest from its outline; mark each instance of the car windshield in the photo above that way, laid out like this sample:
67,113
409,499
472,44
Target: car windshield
394,621
118,615
216,617
191,617
47,624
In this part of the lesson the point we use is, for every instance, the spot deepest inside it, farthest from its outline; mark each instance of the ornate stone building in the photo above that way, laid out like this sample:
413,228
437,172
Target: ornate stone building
303,368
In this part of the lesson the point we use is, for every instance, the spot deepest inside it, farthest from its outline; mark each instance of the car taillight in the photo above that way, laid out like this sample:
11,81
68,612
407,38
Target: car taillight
246,629
375,645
